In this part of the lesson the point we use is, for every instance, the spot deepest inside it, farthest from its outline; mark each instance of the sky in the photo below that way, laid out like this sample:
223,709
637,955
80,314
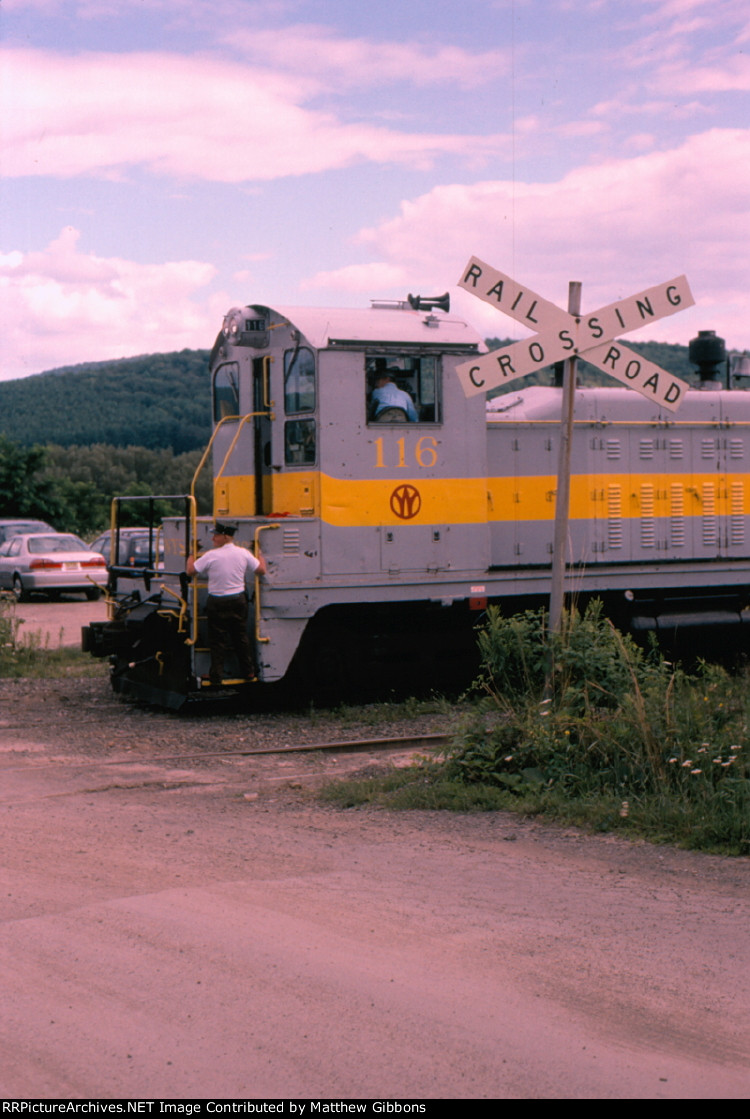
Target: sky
166,160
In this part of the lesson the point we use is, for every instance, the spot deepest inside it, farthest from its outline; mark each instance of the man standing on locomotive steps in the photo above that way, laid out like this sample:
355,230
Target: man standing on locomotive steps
227,567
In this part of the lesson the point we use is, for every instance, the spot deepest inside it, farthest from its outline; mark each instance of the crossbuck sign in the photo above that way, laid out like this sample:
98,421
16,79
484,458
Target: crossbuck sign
563,335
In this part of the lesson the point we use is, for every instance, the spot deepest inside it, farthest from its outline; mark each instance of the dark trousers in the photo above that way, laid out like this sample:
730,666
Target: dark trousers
227,633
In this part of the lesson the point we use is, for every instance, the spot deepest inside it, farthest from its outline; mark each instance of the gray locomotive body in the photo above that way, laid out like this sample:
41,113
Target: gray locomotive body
385,528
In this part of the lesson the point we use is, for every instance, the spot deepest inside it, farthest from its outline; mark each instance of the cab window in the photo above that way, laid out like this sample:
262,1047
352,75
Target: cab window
402,389
299,442
299,381
226,391
299,396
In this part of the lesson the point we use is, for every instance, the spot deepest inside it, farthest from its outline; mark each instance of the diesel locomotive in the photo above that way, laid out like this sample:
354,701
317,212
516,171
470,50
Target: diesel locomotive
386,536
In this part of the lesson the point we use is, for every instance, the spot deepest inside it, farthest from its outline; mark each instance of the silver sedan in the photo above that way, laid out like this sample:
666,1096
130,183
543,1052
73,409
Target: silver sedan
50,562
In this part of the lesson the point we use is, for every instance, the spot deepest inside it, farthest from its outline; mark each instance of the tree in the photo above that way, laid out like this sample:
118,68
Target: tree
22,491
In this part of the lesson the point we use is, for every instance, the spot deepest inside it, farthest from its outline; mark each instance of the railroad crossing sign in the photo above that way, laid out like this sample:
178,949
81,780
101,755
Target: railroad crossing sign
562,335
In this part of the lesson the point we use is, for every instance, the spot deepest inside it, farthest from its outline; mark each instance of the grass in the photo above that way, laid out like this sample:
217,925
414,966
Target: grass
30,655
430,786
385,714
419,786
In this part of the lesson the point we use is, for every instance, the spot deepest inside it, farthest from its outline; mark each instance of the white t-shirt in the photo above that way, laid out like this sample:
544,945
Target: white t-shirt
227,568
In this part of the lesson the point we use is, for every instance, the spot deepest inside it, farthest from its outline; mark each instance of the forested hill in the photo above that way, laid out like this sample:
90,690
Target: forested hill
160,401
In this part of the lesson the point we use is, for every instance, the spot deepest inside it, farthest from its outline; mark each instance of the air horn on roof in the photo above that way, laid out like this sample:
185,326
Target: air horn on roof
429,303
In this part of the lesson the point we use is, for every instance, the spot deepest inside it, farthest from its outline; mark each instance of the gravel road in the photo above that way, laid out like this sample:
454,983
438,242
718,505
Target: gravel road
202,926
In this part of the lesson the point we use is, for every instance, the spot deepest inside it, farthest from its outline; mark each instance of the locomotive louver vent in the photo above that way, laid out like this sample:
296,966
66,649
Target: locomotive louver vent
290,541
648,524
614,516
677,515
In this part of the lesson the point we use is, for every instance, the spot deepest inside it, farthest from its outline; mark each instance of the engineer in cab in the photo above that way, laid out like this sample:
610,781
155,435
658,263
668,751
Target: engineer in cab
389,403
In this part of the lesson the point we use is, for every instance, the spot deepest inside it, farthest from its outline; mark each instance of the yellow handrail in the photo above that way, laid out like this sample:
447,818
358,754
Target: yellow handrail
202,463
233,444
171,613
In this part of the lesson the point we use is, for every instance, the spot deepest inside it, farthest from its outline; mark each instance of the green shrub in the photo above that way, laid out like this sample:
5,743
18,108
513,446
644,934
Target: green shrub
585,715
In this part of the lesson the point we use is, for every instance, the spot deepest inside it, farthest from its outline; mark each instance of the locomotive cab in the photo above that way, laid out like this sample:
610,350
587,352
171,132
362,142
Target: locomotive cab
371,505
372,519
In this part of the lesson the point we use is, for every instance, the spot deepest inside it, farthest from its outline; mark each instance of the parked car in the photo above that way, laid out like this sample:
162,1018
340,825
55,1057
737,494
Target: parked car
50,562
18,526
134,548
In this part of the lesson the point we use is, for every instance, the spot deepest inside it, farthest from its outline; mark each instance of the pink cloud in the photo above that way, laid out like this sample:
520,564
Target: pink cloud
62,306
729,75
369,278
318,51
618,226
582,128
100,114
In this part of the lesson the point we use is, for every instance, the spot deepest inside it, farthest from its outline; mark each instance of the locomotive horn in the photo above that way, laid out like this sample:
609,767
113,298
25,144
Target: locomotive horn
429,303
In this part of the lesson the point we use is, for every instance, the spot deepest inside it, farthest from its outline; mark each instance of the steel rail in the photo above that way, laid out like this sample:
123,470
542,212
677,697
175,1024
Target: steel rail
412,741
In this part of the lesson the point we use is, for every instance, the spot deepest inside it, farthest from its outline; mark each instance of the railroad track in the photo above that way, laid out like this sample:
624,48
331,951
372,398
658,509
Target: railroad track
406,742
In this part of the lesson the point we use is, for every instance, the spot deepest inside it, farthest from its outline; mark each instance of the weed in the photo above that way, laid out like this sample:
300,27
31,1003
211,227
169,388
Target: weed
588,717
29,655
586,727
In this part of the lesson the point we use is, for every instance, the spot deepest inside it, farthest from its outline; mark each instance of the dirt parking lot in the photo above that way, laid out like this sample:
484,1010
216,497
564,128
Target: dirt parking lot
59,623
180,922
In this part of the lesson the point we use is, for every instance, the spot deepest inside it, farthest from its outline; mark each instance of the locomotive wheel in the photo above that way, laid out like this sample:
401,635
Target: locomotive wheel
19,590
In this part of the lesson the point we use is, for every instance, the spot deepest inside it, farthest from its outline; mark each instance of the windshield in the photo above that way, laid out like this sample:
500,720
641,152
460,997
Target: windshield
42,544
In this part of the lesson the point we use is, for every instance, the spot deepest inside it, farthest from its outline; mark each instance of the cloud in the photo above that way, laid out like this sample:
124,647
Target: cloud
103,114
370,278
682,40
731,75
619,227
62,306
317,51
581,128
116,9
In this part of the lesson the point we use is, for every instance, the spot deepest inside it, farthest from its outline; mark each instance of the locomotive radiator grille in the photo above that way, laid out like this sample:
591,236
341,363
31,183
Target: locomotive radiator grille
709,515
648,521
614,516
677,515
736,513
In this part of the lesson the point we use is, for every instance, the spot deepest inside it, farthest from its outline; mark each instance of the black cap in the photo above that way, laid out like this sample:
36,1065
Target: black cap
225,528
